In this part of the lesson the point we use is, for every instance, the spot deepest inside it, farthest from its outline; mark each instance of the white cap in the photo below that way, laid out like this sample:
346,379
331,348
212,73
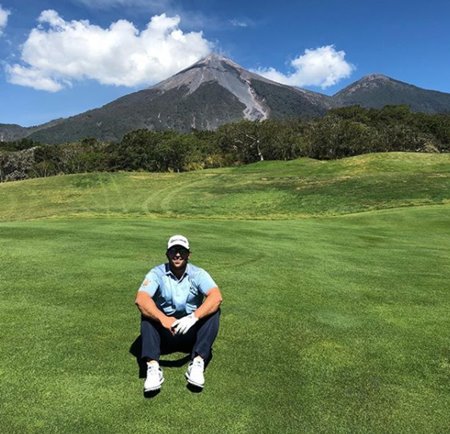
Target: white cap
178,240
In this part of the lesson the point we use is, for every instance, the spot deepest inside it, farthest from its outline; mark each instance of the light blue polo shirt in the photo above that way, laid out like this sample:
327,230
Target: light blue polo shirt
177,297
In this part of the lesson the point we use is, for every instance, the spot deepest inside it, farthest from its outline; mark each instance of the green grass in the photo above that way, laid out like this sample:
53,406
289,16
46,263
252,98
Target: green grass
330,323
266,190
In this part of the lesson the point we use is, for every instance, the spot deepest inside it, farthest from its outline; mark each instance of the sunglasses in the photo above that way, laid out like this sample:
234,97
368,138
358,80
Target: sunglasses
172,252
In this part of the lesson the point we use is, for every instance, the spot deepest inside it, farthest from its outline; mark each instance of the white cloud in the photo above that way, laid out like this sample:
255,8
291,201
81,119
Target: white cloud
32,77
238,23
106,4
3,18
322,67
57,53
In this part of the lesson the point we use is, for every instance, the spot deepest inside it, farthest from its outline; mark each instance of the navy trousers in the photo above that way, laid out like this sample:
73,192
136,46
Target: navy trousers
199,339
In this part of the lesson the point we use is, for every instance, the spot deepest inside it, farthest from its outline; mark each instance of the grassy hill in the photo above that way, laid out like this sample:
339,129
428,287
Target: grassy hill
334,320
274,189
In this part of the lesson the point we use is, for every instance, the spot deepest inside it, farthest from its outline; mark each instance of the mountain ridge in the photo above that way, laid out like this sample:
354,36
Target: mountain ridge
378,90
216,90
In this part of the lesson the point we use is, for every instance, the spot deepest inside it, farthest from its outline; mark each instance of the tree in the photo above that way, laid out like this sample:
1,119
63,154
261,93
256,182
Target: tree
241,140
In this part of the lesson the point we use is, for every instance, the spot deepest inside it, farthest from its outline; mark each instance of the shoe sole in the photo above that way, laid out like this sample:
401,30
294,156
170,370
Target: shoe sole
194,383
152,389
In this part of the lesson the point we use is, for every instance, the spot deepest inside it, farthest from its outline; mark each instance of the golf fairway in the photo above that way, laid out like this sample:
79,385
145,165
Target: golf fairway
329,323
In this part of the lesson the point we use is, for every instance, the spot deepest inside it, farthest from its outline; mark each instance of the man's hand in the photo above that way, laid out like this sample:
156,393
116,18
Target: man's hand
168,322
182,325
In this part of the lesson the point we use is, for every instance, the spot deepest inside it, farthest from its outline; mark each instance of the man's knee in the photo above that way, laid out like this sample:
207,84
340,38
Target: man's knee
212,318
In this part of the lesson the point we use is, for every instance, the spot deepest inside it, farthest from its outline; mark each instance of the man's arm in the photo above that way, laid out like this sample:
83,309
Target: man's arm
148,308
211,303
209,306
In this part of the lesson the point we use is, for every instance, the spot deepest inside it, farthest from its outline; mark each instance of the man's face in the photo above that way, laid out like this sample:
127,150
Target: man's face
178,256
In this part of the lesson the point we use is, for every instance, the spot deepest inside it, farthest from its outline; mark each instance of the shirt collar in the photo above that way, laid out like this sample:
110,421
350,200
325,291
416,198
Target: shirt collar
186,272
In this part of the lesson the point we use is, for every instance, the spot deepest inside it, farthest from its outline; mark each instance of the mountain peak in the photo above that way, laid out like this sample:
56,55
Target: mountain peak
378,90
366,83
222,71
373,79
375,76
214,59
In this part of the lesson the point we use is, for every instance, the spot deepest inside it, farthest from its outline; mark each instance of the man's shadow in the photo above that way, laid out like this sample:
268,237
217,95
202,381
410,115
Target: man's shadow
136,351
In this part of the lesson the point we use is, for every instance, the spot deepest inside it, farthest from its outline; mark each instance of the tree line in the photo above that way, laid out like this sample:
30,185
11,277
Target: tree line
340,133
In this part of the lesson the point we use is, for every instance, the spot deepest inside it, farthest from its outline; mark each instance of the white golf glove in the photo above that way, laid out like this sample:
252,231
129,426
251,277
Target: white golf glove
182,325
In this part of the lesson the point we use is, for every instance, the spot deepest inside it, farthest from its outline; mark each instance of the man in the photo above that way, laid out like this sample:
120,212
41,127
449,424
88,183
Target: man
179,303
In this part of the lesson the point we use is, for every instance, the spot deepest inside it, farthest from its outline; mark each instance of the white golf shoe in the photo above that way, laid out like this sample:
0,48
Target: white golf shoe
154,377
194,373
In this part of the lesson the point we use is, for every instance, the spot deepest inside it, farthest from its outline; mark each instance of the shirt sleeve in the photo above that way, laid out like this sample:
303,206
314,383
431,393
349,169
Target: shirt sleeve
150,284
205,282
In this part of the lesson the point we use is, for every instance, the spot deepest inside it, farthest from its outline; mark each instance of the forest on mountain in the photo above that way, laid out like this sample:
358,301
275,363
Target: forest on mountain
342,132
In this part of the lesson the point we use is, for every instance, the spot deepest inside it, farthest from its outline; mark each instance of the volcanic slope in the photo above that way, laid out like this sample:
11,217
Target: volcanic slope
212,92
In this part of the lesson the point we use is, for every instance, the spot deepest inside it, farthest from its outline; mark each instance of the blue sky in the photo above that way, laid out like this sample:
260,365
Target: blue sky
60,58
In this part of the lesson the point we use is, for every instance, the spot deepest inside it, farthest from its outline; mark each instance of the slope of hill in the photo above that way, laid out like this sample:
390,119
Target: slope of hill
11,132
266,190
377,90
210,93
